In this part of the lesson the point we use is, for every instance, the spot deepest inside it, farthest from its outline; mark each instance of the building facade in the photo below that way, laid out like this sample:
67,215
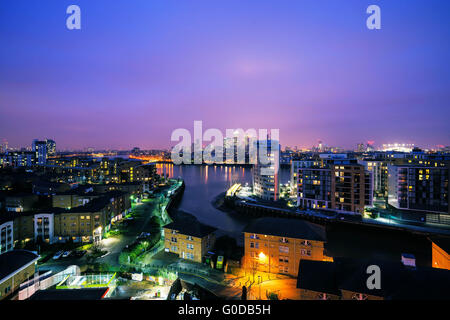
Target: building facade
422,190
16,267
266,170
340,185
275,245
189,239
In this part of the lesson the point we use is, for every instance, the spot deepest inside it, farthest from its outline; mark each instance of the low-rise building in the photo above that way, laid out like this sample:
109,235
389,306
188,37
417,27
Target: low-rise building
189,238
16,267
20,202
85,223
277,245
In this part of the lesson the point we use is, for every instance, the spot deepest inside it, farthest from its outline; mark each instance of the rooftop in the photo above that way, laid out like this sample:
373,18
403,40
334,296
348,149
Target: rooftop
397,281
70,294
289,228
12,261
189,225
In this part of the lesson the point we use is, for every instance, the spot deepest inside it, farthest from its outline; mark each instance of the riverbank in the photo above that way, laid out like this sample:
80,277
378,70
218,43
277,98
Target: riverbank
220,204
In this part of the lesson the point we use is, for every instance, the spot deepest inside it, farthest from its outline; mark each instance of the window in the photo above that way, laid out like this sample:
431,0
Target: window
283,259
359,296
283,269
190,256
323,296
284,249
305,252
190,246
173,239
189,238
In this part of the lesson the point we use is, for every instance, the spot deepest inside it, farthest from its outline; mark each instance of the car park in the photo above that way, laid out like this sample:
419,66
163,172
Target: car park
58,255
79,253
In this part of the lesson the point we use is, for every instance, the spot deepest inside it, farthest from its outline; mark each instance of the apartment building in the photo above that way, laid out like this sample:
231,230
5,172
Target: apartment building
86,223
89,222
17,159
189,239
423,190
6,236
16,267
20,202
265,171
351,187
277,245
341,185
379,170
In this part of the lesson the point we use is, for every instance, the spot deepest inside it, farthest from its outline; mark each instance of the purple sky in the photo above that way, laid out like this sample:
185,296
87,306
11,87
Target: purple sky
140,69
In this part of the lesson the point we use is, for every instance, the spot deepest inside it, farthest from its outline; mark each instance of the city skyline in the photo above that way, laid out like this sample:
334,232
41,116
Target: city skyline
314,73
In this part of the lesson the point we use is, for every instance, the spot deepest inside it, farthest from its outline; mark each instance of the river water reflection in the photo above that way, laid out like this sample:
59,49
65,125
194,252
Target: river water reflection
204,184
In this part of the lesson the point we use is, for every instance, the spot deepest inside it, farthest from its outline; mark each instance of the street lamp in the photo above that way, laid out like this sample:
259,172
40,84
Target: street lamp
259,280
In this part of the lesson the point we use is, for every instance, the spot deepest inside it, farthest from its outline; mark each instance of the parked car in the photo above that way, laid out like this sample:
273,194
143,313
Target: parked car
79,253
66,254
58,255
143,235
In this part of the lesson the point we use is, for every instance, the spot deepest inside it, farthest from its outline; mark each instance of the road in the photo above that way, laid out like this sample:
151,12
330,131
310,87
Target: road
113,245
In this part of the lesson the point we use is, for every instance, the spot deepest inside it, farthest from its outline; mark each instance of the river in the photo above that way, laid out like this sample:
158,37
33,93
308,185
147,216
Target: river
204,184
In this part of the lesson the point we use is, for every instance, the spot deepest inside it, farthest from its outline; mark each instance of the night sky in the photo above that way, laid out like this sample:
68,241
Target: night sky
140,69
